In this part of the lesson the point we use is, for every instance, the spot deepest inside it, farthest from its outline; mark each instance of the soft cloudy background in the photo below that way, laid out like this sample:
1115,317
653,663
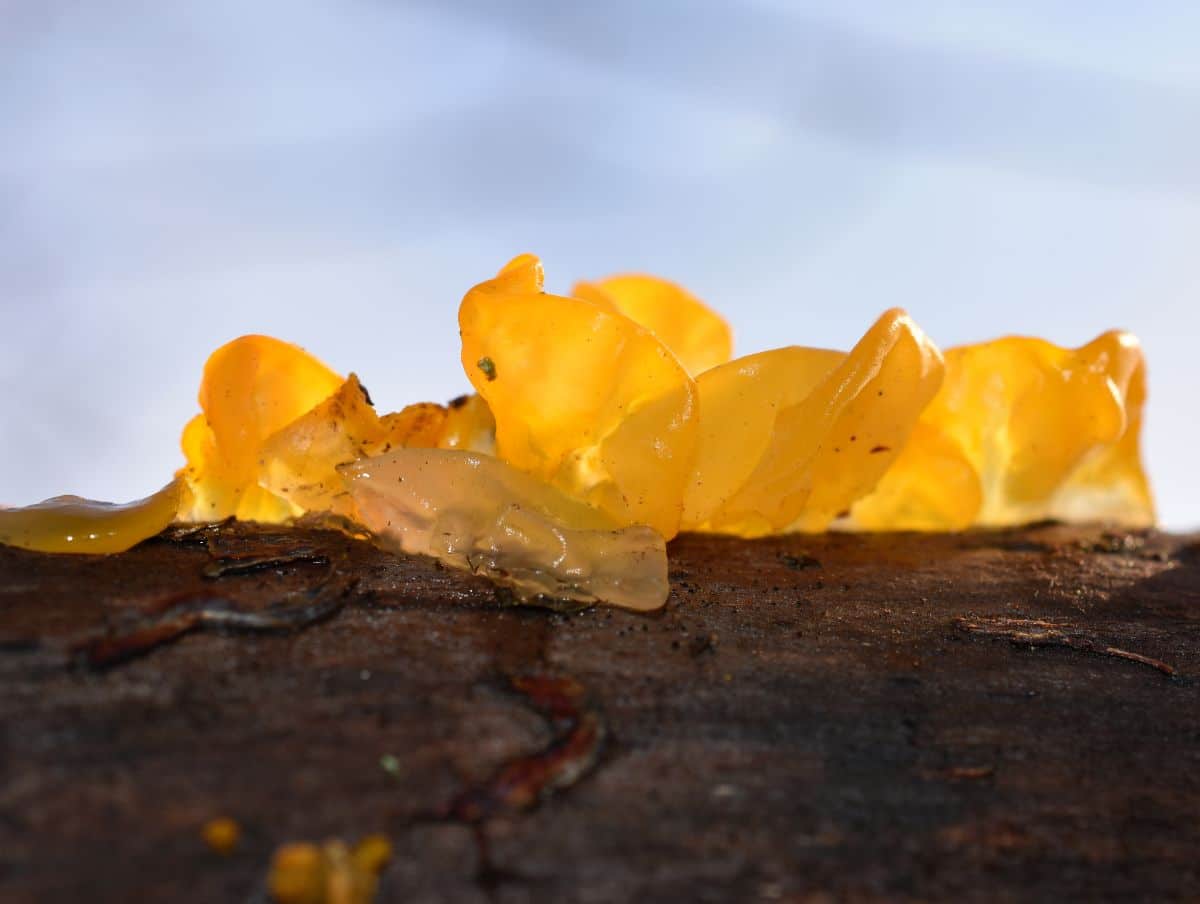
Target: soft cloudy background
173,174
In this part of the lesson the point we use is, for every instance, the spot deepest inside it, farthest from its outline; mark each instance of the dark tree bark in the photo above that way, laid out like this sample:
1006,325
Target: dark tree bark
994,716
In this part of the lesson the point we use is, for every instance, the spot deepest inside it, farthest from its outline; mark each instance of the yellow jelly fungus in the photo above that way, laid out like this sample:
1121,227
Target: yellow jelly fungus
1023,430
298,462
474,512
583,397
419,426
931,485
372,854
73,524
298,874
468,425
276,423
329,873
252,387
697,335
588,444
739,403
829,449
1109,483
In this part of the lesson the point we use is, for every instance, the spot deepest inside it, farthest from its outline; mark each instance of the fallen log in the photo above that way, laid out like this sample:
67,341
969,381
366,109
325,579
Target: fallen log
993,715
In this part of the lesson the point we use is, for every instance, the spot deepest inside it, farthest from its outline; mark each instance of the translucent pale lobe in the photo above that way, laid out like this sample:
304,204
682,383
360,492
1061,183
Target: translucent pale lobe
473,511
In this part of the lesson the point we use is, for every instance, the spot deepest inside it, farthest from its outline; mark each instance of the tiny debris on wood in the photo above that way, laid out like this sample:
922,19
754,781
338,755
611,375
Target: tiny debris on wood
800,562
705,643
969,773
1039,633
506,597
230,565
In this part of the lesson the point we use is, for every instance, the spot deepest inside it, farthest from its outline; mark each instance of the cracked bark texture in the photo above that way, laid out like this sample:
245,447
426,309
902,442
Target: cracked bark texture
810,718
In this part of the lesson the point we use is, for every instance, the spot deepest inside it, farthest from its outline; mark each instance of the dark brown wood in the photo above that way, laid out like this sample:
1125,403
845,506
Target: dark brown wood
1007,715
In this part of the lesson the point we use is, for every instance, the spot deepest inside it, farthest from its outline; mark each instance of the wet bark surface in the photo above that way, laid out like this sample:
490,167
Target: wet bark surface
994,716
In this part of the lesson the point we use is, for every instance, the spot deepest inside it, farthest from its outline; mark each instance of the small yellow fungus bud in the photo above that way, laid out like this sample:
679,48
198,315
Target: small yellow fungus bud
372,854
221,834
299,874
331,873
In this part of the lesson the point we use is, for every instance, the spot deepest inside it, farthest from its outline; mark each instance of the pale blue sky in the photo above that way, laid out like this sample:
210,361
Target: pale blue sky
337,174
